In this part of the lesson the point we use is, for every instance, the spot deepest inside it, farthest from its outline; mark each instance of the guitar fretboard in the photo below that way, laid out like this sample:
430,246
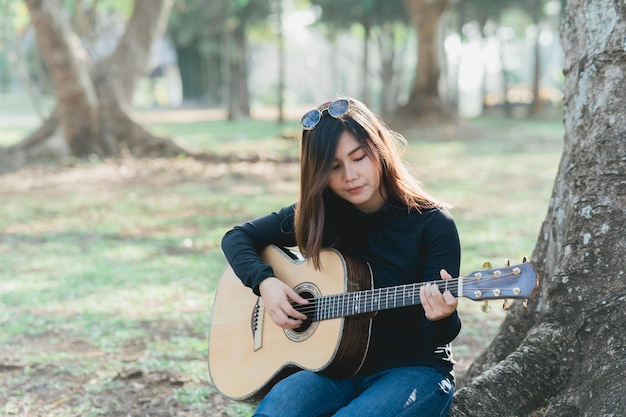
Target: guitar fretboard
515,282
362,302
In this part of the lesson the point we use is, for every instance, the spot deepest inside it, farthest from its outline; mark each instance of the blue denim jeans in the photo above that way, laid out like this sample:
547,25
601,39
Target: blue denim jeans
418,391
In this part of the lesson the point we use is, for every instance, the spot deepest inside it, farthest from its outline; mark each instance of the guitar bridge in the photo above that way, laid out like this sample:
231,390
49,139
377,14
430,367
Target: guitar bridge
256,324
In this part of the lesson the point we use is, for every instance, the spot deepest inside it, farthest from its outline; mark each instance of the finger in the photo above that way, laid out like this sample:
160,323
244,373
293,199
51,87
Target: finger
444,274
284,320
296,297
437,301
450,299
294,314
434,292
437,305
293,322
290,309
424,297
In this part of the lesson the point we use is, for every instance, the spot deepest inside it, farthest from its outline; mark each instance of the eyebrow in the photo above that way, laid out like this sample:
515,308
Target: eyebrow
354,150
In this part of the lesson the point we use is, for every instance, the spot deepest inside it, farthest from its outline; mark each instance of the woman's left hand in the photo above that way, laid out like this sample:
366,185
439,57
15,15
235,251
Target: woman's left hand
438,305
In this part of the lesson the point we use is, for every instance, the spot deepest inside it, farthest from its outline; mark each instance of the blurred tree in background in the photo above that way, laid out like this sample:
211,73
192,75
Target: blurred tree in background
211,43
93,88
198,34
378,20
425,99
491,16
422,59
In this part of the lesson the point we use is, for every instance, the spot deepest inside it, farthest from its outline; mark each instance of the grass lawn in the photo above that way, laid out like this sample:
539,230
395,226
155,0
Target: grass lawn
108,268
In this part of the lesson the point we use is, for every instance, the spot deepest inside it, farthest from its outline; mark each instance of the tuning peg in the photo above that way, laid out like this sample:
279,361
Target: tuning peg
506,305
487,265
525,259
485,308
507,262
525,304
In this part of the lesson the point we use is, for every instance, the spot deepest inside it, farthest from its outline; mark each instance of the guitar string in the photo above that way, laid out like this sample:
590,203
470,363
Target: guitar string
347,302
378,298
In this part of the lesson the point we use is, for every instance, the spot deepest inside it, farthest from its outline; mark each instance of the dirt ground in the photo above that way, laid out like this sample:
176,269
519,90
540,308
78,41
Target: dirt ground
48,390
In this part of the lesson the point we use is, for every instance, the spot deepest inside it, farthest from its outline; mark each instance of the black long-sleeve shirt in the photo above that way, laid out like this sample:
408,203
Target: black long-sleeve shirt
402,246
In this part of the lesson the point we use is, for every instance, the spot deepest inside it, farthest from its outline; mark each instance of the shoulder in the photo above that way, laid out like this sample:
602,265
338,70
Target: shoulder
431,222
264,229
438,217
439,214
432,214
287,211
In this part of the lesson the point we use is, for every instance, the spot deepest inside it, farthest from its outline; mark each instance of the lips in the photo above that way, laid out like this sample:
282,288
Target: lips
355,190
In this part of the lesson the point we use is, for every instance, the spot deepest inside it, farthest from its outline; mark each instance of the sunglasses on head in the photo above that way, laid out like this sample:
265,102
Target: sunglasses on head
336,109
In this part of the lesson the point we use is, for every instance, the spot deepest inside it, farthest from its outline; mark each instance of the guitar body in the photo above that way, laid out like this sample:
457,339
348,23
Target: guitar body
248,353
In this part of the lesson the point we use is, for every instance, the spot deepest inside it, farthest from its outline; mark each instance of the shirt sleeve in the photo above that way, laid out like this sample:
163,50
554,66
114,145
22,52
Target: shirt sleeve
243,243
442,250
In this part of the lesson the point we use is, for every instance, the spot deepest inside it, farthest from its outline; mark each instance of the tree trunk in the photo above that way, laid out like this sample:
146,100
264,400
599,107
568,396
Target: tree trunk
92,98
77,102
425,101
566,354
507,106
281,64
535,106
131,57
365,63
386,47
333,61
239,95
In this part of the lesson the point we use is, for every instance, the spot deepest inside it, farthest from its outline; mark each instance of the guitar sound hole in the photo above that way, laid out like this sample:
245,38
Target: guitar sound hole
308,326
304,326
305,309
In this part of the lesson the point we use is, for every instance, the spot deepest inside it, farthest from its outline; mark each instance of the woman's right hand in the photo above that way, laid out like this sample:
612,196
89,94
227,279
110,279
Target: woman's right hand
277,298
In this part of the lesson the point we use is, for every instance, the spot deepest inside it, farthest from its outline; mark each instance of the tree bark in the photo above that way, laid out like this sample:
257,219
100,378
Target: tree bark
566,354
91,114
425,101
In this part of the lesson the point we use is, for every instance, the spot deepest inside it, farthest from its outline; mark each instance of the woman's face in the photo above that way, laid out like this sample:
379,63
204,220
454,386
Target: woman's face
355,176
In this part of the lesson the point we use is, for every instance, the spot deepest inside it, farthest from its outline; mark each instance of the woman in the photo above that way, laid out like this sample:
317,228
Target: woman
357,196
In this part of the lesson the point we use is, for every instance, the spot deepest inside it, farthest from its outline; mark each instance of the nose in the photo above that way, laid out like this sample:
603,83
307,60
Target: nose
350,173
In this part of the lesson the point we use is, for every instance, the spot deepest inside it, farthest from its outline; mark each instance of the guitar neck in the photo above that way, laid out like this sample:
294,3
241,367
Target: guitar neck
368,301
511,282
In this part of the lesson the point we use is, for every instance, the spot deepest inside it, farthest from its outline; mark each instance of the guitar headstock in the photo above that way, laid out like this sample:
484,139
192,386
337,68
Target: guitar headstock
509,282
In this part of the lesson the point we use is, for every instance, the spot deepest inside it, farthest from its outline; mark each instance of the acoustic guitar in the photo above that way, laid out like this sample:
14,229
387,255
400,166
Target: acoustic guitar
248,353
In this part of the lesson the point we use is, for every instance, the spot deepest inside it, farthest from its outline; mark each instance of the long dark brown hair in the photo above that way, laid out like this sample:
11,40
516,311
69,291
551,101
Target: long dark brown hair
317,152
